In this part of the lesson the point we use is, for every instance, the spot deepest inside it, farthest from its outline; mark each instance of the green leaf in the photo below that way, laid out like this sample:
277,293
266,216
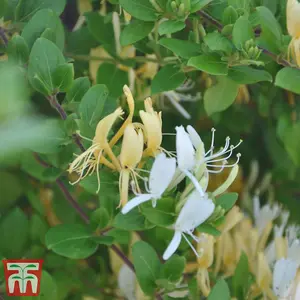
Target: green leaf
14,230
103,240
168,78
182,48
170,26
38,228
292,143
135,31
48,289
18,51
42,20
53,140
140,9
209,63
199,4
27,8
71,241
147,266
92,104
217,42
101,30
100,218
133,220
209,229
63,77
248,75
242,32
10,190
240,278
162,214
288,79
44,58
230,15
220,96
220,291
115,81
271,35
3,7
227,201
173,268
79,87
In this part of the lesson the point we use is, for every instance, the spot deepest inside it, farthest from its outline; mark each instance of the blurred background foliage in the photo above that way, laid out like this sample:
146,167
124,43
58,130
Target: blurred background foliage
39,114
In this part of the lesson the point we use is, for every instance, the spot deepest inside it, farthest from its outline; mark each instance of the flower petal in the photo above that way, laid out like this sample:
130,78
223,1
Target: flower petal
285,271
184,149
135,202
161,174
195,211
174,244
194,137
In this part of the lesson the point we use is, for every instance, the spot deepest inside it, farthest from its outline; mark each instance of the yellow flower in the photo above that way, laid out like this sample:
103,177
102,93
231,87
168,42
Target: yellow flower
89,161
233,217
153,128
131,155
293,26
292,18
130,103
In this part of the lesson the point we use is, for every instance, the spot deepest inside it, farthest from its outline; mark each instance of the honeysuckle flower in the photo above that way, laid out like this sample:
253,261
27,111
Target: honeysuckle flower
264,276
218,160
186,156
126,282
153,128
195,211
293,26
130,103
89,161
263,218
285,271
205,248
130,156
161,174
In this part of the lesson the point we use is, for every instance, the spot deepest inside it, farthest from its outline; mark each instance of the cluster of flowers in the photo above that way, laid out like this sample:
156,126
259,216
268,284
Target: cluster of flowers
141,140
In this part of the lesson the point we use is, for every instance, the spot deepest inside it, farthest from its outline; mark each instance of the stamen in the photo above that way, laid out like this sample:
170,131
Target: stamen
190,244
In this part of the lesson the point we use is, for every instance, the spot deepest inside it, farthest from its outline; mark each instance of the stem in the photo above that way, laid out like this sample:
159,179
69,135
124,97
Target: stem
3,36
139,59
72,201
55,104
81,213
220,26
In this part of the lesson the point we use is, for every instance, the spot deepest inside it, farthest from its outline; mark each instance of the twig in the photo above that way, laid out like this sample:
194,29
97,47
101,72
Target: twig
220,26
55,104
72,201
64,190
3,36
80,212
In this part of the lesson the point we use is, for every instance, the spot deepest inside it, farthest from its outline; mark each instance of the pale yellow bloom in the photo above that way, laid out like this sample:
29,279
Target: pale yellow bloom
131,155
264,276
292,18
153,128
233,217
293,26
89,161
130,102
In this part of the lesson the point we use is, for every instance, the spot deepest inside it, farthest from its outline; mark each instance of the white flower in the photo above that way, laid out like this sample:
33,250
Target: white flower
186,156
176,97
210,158
126,282
195,211
284,273
161,174
264,215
